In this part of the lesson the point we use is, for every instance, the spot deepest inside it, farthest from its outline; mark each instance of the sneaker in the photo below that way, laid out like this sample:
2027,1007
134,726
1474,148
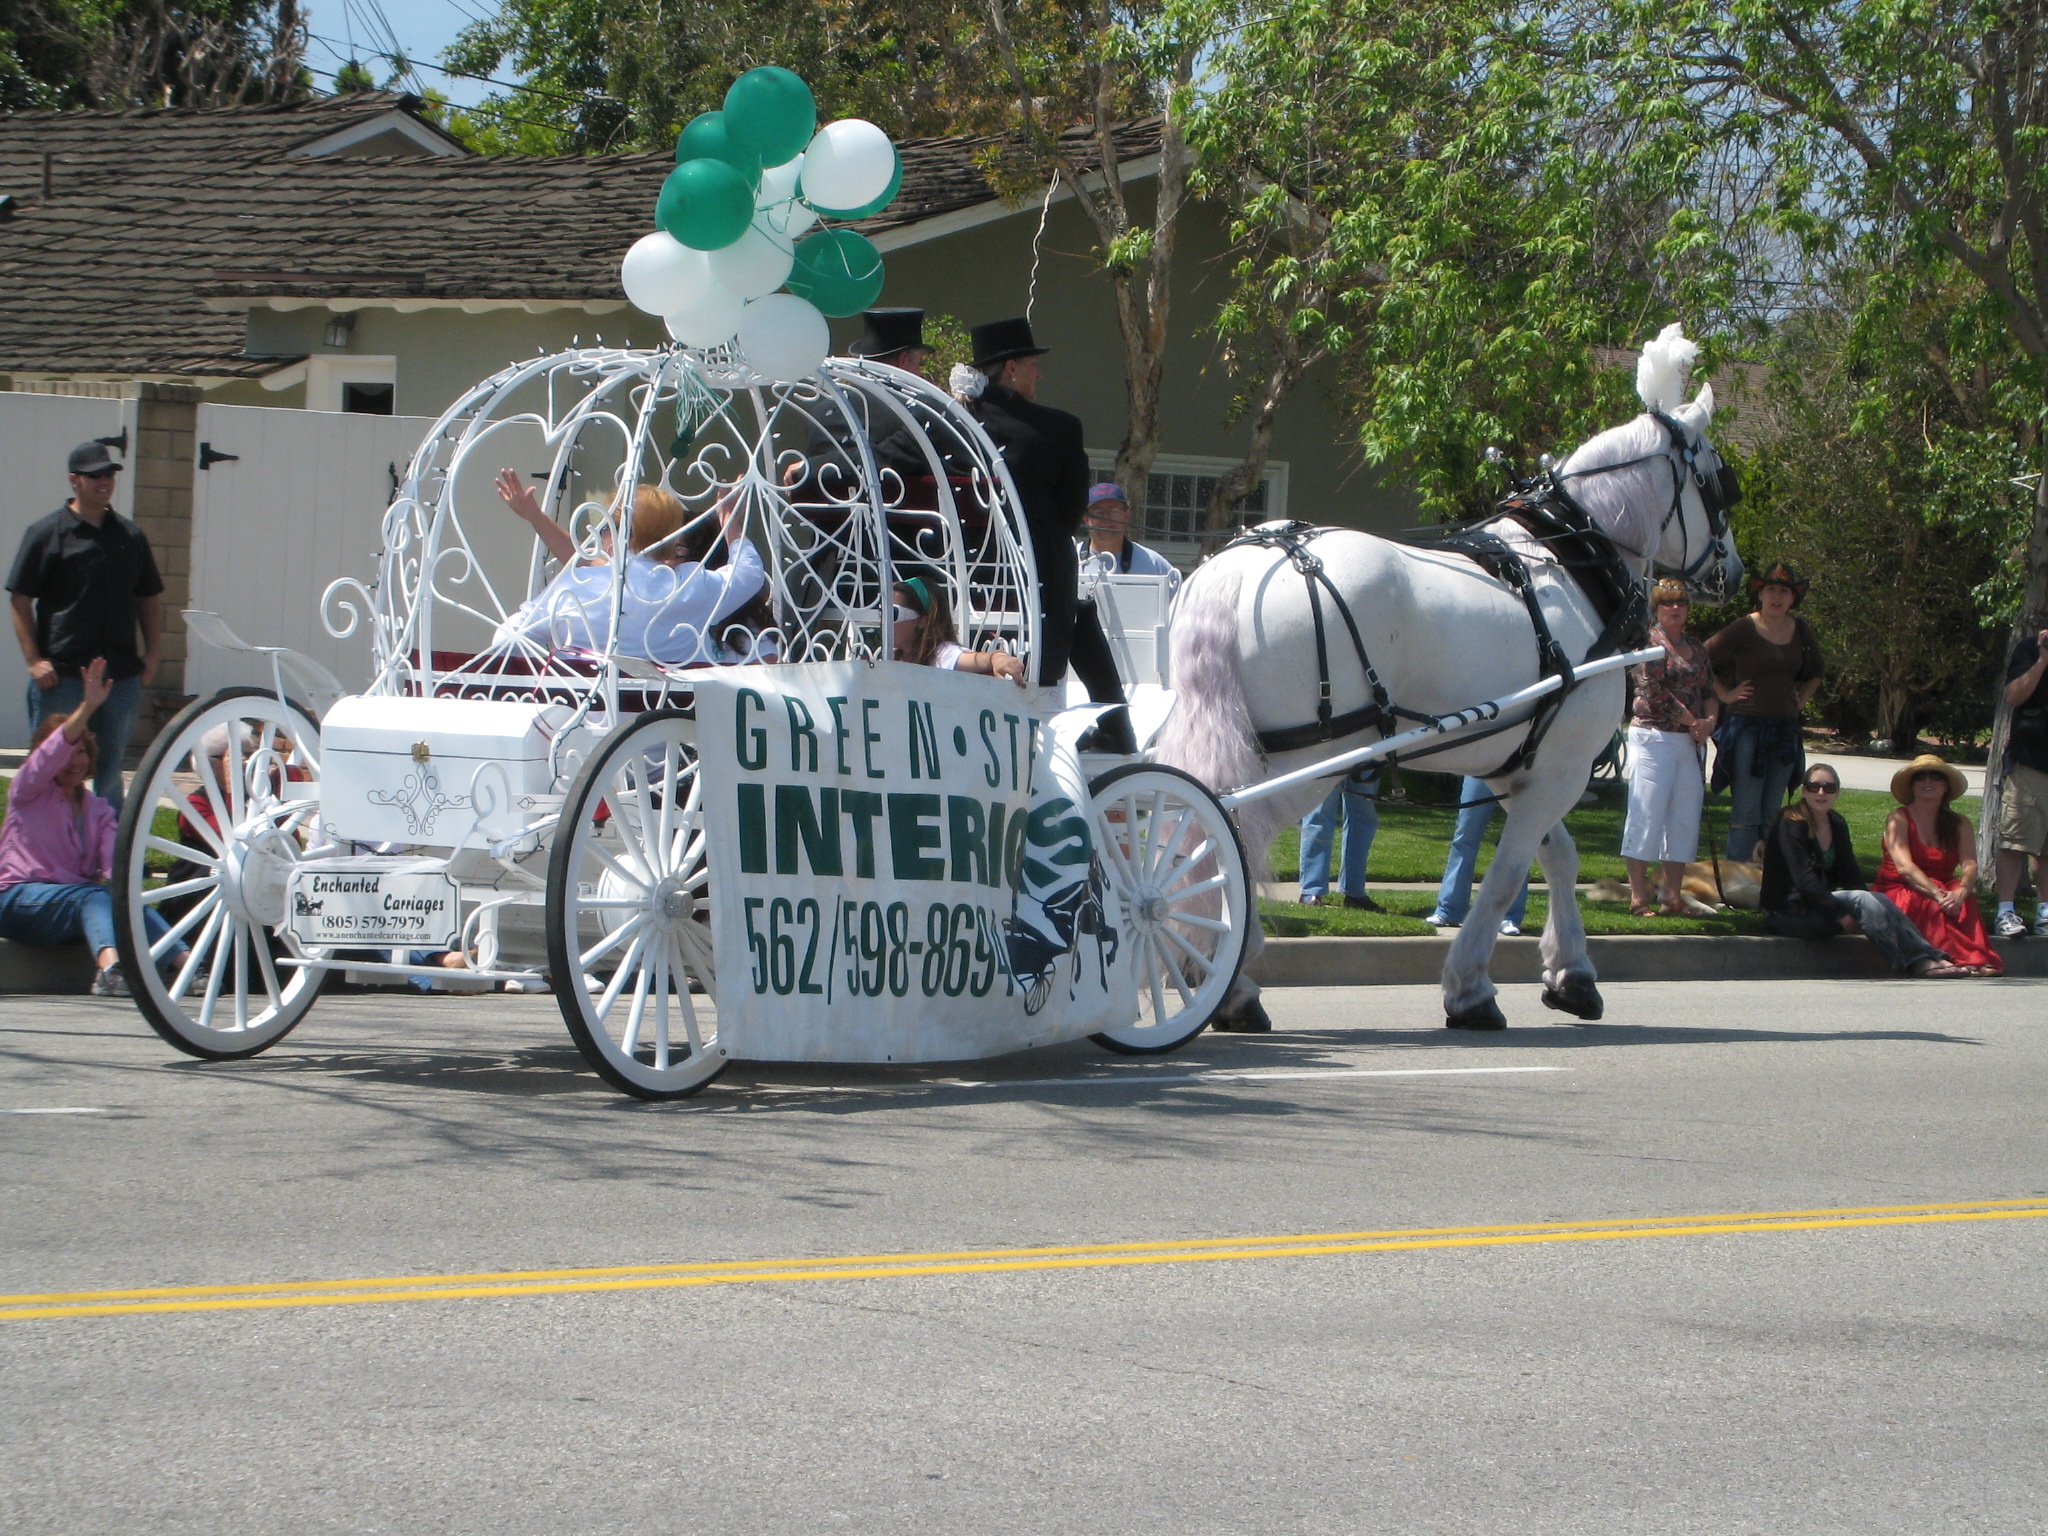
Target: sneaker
1438,920
110,983
1510,928
2010,925
1363,904
2040,928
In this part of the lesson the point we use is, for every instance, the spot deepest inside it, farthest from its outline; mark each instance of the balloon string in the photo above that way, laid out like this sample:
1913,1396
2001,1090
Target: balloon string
1038,244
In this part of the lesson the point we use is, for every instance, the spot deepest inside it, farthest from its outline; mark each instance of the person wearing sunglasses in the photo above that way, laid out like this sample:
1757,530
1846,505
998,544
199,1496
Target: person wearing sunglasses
1813,886
923,633
85,585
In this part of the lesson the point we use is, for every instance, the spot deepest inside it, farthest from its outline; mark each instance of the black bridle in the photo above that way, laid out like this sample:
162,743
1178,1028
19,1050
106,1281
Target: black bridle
1693,458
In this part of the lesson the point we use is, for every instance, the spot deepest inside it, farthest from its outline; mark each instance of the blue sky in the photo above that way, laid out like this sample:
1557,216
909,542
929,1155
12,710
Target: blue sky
365,28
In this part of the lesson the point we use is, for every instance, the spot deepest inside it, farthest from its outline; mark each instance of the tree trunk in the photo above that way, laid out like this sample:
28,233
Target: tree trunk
1219,519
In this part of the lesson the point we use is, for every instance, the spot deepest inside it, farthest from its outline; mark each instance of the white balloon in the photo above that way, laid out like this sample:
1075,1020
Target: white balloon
786,221
778,183
709,320
755,265
784,337
661,275
848,165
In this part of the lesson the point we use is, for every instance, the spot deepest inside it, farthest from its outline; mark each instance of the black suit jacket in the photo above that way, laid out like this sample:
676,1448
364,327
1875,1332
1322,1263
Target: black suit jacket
1045,451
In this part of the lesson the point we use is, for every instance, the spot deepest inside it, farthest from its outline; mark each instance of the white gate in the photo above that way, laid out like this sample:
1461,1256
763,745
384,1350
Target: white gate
283,502
36,433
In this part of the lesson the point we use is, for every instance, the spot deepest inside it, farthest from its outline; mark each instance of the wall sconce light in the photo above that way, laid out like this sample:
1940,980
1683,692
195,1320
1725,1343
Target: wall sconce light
339,329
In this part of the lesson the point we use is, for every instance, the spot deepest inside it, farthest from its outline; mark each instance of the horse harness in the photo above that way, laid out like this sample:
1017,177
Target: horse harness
1553,517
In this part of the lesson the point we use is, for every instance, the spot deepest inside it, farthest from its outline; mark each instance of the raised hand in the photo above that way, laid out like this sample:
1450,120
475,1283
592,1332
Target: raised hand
97,684
518,495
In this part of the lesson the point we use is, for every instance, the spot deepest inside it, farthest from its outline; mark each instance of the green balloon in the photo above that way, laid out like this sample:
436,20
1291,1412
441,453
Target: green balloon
706,204
707,138
770,114
838,271
867,210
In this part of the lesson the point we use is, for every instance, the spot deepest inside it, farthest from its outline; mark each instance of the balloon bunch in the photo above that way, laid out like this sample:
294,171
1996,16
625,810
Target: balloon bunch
749,181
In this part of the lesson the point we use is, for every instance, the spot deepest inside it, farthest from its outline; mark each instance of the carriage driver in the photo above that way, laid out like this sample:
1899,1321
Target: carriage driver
1110,541
1044,452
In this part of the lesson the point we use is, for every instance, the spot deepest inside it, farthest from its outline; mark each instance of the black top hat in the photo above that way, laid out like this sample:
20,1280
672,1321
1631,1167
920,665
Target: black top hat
92,459
1000,340
889,331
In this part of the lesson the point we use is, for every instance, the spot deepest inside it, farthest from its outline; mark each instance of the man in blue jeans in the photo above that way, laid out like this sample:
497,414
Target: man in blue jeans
1476,806
85,584
1352,801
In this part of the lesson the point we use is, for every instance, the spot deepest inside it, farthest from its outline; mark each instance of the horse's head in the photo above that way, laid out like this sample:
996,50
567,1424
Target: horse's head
1658,486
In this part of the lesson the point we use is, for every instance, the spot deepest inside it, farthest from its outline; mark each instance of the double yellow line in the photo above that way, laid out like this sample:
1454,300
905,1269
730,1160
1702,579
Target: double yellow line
979,1261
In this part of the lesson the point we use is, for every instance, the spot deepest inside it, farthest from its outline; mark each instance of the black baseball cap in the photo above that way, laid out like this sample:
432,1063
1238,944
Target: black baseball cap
92,459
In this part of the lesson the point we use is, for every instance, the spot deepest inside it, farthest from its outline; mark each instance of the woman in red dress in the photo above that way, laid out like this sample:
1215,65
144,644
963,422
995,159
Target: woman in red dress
1930,865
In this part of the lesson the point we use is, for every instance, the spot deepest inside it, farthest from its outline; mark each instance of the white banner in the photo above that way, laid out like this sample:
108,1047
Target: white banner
902,866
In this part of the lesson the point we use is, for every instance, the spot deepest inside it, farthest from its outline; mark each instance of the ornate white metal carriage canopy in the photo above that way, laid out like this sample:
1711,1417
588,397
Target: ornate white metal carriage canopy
664,469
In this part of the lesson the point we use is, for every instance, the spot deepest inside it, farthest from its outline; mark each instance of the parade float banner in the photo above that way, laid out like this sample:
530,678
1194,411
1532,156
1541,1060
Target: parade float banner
902,866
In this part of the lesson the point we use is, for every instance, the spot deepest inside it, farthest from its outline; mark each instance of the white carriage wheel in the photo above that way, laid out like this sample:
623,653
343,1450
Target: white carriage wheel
629,908
230,998
1176,872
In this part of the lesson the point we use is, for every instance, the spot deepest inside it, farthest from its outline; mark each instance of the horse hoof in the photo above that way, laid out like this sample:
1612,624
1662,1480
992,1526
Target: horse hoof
1577,997
1486,1016
1249,1018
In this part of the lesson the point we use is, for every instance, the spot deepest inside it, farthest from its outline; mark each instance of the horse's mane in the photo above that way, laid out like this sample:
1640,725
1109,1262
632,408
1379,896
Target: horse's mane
1616,499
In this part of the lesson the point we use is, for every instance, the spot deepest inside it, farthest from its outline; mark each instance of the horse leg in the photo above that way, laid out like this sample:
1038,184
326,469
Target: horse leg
1240,1012
1568,975
1535,806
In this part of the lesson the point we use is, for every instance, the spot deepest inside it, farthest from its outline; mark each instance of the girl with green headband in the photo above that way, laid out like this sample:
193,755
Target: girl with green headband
923,634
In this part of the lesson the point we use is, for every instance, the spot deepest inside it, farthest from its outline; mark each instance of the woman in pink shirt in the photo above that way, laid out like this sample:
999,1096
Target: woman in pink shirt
57,845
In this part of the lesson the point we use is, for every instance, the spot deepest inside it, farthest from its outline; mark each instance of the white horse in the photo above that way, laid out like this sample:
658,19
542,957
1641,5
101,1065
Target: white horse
1444,633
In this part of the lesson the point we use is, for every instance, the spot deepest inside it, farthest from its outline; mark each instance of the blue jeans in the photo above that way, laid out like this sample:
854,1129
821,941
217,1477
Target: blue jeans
1454,895
41,913
1765,753
111,724
1352,801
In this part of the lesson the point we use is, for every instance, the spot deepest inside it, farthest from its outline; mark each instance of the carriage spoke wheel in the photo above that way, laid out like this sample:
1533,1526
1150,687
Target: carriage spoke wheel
225,805
629,912
1182,900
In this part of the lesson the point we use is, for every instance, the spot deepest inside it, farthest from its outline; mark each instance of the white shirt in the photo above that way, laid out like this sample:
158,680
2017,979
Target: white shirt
1137,560
671,611
572,612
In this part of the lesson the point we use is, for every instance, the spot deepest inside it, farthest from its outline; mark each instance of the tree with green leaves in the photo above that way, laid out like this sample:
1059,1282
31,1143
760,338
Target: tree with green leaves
152,53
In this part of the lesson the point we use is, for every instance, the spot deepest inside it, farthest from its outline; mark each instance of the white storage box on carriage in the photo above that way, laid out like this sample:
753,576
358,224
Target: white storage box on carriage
400,770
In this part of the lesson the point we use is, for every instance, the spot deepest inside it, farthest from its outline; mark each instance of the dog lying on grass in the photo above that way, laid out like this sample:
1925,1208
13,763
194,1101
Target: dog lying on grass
1741,886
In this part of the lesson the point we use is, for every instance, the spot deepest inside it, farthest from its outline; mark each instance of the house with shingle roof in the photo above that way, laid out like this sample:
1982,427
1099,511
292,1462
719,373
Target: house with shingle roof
346,254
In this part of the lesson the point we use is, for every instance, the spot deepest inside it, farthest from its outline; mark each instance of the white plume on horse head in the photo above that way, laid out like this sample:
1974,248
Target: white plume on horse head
1662,370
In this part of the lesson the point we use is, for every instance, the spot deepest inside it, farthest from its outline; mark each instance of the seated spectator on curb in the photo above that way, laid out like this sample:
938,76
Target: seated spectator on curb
1930,865
57,846
1671,719
1476,805
1813,887
2023,801
923,634
1353,801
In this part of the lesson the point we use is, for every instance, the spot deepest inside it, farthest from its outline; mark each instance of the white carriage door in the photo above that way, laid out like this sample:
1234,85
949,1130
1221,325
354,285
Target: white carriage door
300,504
37,432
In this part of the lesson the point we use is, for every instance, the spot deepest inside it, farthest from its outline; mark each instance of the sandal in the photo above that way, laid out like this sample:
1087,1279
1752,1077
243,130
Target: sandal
1673,909
1939,970
1641,909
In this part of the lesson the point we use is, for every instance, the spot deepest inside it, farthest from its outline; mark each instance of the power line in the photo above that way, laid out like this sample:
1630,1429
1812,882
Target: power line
461,74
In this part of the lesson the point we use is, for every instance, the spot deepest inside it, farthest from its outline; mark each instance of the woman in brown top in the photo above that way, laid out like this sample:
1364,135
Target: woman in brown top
1767,664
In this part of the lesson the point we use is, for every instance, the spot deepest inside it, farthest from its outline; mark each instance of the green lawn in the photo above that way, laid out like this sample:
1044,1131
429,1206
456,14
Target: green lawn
1413,837
1406,909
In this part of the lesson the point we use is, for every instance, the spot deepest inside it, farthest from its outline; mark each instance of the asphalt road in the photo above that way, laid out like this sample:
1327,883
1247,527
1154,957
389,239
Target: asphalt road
1616,1366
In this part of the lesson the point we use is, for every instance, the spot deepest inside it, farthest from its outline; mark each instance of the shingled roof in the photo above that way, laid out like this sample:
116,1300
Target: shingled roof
141,262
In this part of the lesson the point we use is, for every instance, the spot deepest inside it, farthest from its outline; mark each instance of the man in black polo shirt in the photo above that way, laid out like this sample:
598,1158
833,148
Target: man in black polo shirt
84,585
2023,806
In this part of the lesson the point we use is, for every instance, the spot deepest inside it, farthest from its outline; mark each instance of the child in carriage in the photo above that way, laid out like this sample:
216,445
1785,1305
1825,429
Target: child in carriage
923,633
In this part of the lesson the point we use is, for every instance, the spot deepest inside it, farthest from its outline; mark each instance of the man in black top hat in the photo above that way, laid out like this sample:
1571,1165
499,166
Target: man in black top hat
830,464
1043,448
84,584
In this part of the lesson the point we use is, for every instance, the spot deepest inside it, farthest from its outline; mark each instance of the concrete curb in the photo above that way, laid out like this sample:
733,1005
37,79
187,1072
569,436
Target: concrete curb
1332,962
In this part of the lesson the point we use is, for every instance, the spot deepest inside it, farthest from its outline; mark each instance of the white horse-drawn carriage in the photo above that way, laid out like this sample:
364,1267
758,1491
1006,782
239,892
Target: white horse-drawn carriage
688,744
752,830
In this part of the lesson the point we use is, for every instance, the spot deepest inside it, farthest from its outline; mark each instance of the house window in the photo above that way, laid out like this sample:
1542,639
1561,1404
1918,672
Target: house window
366,385
1177,496
367,399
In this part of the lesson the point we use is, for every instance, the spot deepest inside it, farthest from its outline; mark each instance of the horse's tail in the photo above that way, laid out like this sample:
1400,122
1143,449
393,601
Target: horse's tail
1209,733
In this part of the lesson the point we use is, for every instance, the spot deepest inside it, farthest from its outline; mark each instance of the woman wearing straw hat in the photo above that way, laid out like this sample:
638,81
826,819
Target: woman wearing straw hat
1767,664
1930,865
